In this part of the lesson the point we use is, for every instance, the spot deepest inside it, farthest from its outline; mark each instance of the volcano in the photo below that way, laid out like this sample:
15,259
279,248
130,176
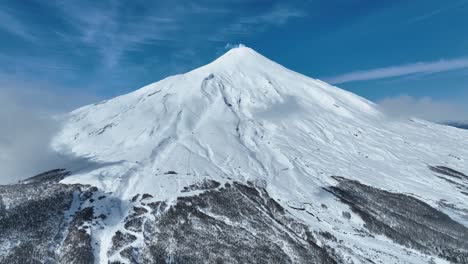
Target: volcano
243,161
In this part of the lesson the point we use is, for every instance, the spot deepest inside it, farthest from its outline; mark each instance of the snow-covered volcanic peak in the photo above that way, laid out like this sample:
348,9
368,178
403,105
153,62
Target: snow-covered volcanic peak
244,117
221,120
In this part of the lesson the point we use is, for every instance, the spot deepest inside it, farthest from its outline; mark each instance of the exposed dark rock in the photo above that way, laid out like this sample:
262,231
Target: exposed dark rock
137,211
405,219
209,77
103,129
84,215
131,254
448,172
102,216
146,196
170,172
203,185
328,236
158,206
153,93
346,215
134,224
227,102
297,206
120,240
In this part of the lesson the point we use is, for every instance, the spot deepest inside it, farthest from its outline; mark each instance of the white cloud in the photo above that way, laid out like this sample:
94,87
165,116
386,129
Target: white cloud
23,141
424,108
401,70
29,120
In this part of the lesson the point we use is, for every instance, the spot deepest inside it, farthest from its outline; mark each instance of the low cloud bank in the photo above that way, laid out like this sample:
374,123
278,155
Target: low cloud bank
425,108
29,118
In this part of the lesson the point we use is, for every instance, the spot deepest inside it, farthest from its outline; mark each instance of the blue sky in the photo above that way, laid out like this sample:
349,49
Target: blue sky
404,54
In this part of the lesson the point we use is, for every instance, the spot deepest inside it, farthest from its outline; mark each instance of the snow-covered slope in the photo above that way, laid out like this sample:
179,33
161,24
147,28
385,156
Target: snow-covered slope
244,118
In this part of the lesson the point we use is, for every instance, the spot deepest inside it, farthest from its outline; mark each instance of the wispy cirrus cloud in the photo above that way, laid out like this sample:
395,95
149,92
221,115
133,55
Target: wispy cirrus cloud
11,24
111,32
110,29
279,15
438,11
249,24
401,70
114,31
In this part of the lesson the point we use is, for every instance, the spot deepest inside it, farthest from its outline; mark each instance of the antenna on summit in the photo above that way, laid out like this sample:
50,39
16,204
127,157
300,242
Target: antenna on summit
230,46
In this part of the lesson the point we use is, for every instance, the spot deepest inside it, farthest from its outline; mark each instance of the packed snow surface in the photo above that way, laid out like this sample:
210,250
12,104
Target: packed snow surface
244,117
